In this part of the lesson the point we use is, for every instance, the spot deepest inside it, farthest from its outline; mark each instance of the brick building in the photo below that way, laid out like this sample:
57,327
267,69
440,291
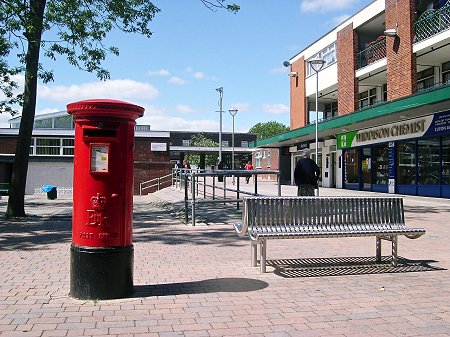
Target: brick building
155,152
383,101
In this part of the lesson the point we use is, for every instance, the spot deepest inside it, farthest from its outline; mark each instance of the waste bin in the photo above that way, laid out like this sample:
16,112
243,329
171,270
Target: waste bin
51,191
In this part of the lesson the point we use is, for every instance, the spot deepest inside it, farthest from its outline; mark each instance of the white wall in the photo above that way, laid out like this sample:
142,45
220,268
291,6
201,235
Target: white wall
57,173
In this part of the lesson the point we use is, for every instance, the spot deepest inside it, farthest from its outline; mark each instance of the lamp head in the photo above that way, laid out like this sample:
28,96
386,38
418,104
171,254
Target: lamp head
316,63
293,74
219,89
233,111
286,63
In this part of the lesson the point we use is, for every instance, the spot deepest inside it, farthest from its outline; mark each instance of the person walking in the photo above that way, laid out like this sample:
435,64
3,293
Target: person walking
248,167
306,175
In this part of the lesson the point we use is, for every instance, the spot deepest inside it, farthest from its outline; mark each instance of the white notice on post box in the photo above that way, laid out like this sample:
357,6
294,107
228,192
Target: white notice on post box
99,157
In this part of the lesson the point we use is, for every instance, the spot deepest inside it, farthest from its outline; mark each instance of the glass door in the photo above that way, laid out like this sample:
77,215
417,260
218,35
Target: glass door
366,168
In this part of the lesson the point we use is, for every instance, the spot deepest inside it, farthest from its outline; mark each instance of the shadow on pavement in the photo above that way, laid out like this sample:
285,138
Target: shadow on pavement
230,285
340,266
35,232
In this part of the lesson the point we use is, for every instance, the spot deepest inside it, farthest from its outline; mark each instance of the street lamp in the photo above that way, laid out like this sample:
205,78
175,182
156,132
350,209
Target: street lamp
220,91
233,112
317,64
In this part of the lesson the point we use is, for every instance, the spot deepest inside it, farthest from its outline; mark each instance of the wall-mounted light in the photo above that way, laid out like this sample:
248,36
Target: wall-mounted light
293,74
390,32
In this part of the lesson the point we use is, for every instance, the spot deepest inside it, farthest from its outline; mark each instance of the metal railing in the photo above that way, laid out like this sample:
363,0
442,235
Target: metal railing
432,22
160,182
213,187
376,50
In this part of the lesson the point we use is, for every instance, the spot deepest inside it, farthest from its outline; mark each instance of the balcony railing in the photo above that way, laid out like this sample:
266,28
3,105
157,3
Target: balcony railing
432,22
376,50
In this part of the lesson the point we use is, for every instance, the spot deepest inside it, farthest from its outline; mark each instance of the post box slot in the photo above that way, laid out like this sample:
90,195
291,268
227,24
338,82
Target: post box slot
99,133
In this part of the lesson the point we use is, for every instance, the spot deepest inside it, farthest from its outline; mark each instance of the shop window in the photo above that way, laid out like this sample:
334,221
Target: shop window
185,142
428,161
351,167
425,79
244,143
367,98
446,160
225,143
406,159
380,167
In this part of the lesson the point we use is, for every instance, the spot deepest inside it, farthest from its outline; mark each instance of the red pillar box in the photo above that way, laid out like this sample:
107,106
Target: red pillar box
101,260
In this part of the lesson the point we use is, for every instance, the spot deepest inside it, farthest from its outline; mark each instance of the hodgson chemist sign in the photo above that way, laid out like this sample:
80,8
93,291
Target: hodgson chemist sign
430,125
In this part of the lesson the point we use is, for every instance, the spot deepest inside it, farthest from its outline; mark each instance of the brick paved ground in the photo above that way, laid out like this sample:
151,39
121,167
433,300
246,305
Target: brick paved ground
196,281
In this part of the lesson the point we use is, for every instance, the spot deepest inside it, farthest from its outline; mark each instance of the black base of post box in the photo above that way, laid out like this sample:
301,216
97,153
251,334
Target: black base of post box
101,273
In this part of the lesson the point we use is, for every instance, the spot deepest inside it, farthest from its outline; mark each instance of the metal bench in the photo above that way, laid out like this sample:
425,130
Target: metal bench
266,218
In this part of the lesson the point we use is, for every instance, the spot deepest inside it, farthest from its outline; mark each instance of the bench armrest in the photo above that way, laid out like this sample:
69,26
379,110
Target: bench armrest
240,228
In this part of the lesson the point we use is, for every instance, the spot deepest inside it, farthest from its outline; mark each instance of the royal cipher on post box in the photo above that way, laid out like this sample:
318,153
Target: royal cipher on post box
102,248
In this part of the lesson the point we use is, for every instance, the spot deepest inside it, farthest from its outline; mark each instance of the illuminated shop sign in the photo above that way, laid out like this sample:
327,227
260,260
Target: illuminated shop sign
430,125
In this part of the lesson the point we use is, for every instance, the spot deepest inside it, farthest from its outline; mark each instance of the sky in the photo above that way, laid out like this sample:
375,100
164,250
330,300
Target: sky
192,52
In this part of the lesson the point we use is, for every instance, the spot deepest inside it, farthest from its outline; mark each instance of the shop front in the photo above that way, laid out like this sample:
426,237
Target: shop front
406,157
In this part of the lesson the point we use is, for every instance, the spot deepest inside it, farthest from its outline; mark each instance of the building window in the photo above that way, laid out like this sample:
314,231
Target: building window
367,98
328,54
52,146
406,159
258,159
331,109
43,123
185,142
244,143
385,92
446,73
268,159
352,167
425,79
63,122
225,143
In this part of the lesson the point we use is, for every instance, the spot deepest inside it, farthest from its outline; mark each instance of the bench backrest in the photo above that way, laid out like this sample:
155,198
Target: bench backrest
322,211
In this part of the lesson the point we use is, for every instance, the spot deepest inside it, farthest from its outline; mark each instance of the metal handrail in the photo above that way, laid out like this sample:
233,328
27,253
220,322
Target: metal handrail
158,182
375,51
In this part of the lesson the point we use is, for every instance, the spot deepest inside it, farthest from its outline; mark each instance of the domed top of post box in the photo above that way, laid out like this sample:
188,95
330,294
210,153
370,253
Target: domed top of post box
105,108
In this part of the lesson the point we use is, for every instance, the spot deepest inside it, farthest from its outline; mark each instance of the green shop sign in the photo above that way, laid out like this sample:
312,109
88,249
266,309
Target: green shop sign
430,125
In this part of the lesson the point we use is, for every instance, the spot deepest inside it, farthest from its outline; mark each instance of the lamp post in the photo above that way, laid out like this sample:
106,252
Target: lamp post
220,91
317,64
233,112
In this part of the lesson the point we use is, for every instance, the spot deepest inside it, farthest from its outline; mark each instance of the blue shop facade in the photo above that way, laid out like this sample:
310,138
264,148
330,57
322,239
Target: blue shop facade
411,157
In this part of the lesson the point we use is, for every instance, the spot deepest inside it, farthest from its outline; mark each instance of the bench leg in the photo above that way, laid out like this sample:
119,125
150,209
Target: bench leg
263,251
254,248
378,252
394,250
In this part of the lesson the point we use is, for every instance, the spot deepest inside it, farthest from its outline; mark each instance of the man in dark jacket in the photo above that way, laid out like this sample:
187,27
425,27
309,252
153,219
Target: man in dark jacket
306,175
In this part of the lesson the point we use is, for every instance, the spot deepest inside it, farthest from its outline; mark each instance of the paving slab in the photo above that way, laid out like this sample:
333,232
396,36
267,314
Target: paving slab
197,280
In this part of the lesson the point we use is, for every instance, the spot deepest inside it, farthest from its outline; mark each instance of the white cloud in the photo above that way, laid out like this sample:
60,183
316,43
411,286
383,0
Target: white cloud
325,5
199,75
161,72
185,109
167,123
117,89
177,80
243,107
337,20
275,109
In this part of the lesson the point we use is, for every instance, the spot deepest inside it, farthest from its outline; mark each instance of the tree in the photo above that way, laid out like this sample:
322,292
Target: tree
268,129
201,141
77,30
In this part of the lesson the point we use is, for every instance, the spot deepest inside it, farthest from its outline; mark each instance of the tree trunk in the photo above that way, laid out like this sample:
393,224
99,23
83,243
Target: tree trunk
16,200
